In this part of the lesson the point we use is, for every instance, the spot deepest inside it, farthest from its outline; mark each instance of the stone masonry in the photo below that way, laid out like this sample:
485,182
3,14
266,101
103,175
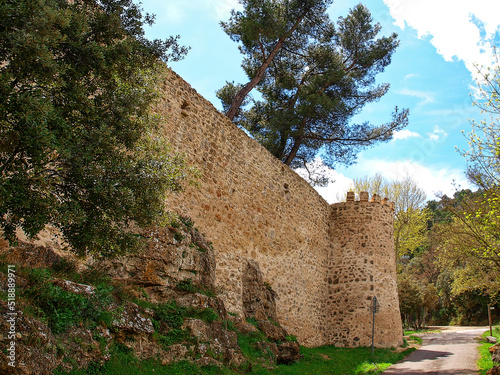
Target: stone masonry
324,262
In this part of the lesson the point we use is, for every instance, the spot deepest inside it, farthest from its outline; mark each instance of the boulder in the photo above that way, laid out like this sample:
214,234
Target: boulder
491,339
495,353
288,352
131,320
494,371
273,332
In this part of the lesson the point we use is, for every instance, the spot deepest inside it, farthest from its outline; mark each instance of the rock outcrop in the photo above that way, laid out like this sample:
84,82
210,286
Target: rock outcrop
159,303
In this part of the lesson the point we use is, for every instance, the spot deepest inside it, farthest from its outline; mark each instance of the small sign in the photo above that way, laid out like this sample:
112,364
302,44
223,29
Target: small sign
376,305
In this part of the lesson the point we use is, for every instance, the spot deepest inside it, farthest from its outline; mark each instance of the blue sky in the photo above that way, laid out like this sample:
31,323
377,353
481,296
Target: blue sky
432,73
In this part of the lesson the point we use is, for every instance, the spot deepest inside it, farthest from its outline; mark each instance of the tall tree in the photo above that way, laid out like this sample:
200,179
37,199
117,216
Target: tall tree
484,139
263,28
470,245
315,84
78,148
471,242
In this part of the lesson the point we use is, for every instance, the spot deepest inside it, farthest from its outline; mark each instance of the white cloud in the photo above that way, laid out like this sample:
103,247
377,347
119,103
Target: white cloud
177,12
405,134
411,75
335,191
437,134
459,29
432,179
223,7
426,97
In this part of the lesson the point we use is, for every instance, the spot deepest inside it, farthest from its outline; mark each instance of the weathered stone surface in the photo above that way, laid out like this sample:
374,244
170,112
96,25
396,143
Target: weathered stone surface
491,339
215,340
208,361
30,255
73,287
494,348
252,207
288,352
272,331
259,301
495,353
172,255
176,352
130,319
494,371
242,325
28,359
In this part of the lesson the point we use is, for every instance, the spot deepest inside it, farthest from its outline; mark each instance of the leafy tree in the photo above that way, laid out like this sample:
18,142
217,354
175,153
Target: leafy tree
410,222
321,77
484,139
78,147
264,27
470,244
416,299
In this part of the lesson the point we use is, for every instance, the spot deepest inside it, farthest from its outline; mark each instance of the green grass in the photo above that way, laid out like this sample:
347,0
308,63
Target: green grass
338,361
417,339
485,363
325,360
420,331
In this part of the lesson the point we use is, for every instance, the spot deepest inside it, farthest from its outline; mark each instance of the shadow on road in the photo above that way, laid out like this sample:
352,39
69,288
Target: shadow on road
425,354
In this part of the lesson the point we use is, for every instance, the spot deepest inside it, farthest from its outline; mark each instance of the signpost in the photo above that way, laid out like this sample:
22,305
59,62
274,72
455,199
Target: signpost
489,318
375,309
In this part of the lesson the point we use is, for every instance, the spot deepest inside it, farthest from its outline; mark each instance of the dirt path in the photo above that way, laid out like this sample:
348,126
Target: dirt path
450,352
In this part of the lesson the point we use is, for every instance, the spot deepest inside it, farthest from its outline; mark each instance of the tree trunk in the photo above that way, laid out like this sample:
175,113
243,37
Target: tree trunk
293,151
240,96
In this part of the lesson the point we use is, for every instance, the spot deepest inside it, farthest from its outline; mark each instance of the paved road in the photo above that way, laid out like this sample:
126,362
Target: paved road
450,352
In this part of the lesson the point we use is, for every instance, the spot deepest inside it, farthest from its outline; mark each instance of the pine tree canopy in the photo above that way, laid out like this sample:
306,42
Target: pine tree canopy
318,75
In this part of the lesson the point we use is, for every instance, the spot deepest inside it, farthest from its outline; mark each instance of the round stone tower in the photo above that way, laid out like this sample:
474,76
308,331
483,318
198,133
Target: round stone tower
361,266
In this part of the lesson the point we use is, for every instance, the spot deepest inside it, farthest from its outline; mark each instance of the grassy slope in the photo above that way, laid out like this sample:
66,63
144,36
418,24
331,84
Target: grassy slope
315,361
485,363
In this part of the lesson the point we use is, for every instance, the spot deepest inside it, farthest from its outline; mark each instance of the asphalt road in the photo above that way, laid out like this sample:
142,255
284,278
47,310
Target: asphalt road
450,352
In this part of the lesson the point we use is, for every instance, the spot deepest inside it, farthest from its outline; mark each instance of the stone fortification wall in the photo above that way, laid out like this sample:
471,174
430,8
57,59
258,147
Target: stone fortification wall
250,206
361,266
255,209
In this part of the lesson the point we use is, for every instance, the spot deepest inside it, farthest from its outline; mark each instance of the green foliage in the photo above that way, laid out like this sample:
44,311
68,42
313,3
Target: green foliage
248,345
78,145
291,338
470,245
484,362
175,336
174,315
417,339
187,221
484,139
170,313
188,286
316,361
62,309
313,77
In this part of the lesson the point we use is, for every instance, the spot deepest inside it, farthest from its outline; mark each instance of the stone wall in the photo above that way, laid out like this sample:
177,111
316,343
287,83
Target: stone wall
361,266
253,207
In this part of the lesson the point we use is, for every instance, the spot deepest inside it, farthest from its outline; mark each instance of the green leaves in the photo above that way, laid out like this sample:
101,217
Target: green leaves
78,146
313,77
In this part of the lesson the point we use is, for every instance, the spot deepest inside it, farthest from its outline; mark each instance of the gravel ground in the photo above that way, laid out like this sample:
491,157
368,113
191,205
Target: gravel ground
453,351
